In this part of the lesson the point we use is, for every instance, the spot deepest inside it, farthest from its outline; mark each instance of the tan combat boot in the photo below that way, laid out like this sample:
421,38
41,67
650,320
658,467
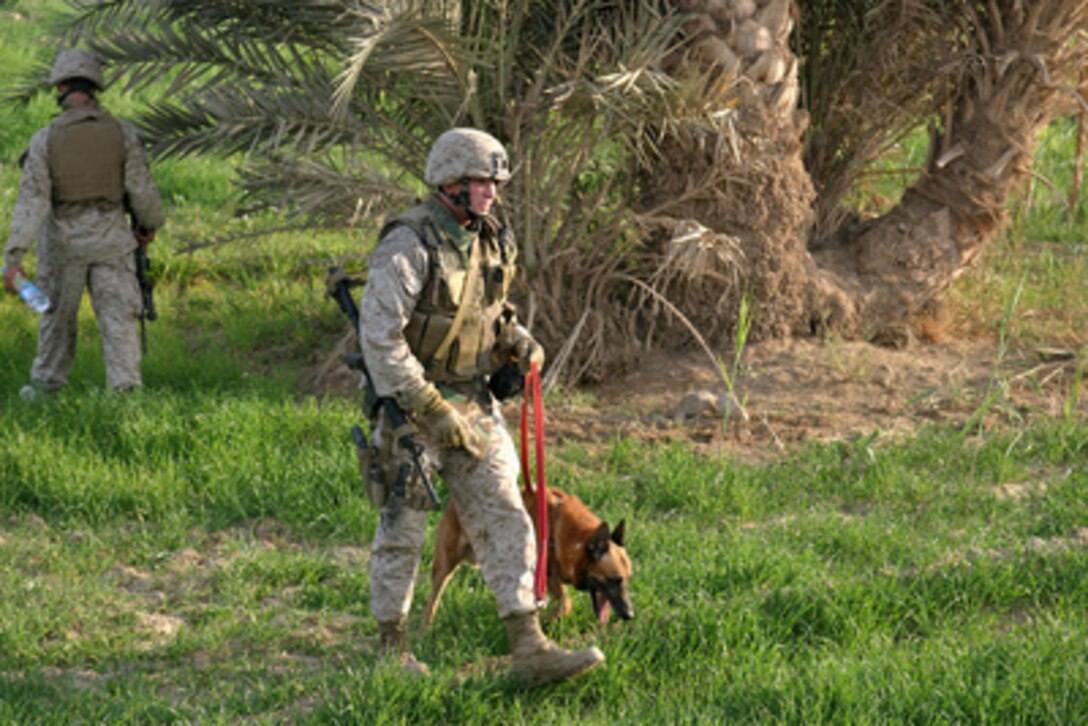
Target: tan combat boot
537,660
393,645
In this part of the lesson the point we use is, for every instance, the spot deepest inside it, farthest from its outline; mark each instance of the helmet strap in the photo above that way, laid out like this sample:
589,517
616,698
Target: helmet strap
453,203
460,203
464,198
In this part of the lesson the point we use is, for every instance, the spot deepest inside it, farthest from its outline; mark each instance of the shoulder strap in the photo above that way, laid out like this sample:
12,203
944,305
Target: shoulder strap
462,308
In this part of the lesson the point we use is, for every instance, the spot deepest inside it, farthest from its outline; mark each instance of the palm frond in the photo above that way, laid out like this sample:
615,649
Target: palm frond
334,191
397,48
872,72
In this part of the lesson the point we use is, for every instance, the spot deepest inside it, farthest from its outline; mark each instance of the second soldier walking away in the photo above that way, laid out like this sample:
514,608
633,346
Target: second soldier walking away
81,176
434,325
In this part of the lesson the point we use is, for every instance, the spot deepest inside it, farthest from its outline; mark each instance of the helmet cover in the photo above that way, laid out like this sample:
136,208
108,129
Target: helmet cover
466,153
76,63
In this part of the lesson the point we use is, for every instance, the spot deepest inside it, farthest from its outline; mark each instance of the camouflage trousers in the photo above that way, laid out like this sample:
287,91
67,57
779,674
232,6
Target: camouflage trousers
115,296
490,507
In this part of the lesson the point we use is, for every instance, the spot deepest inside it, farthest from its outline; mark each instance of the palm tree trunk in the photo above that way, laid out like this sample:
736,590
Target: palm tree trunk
881,279
906,258
751,189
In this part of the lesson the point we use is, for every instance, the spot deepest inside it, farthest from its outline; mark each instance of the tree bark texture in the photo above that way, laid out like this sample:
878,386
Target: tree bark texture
879,279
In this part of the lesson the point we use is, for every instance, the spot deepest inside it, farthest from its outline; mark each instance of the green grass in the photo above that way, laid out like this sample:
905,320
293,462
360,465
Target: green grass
208,575
197,552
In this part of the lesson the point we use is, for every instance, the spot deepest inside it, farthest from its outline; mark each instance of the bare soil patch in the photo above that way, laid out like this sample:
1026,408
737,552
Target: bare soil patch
801,390
798,390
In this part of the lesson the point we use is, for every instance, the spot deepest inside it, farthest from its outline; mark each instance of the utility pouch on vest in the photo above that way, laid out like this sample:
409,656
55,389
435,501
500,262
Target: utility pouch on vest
452,285
425,333
501,268
498,278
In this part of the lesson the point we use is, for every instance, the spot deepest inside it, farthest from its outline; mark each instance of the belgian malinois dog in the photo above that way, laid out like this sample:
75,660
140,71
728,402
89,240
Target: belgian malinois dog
582,552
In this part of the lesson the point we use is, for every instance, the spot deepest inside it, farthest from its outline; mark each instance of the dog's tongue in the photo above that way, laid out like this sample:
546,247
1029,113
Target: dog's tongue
603,609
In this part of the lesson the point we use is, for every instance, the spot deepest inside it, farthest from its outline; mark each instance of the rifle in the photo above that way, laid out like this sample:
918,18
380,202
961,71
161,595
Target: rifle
147,293
402,428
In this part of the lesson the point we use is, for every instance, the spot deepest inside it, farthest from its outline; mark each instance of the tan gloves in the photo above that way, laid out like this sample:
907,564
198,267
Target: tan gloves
444,425
335,276
521,346
527,351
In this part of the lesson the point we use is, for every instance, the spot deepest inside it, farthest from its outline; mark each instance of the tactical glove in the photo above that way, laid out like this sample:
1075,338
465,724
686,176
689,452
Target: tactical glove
444,425
527,351
334,277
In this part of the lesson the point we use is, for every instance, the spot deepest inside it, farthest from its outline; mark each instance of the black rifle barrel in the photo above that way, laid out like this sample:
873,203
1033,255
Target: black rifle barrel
147,293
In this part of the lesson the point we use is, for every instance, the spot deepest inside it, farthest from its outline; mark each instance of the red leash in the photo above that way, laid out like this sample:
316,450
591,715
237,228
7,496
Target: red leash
532,390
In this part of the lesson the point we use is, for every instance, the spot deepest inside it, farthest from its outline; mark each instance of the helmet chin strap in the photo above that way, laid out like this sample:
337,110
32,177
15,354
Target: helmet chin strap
464,199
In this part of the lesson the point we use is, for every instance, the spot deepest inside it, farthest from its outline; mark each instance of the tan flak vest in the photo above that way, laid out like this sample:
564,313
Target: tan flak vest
468,353
86,156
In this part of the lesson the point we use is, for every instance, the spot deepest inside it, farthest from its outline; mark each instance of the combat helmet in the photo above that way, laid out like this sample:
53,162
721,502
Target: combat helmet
466,153
76,63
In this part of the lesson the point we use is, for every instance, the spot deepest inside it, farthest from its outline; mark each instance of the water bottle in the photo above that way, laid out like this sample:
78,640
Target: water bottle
29,292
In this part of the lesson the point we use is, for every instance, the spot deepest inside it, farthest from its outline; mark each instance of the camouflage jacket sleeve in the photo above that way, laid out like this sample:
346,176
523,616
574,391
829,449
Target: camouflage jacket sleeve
399,266
34,201
144,201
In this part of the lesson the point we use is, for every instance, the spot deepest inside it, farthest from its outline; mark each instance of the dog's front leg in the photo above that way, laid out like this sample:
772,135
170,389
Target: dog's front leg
450,549
561,605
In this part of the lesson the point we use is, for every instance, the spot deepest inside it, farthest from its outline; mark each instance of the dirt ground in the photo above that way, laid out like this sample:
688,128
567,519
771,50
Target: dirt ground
794,391
800,390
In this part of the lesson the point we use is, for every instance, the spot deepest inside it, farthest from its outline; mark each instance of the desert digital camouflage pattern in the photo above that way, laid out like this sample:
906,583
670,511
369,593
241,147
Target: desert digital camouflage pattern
84,245
466,153
76,63
485,490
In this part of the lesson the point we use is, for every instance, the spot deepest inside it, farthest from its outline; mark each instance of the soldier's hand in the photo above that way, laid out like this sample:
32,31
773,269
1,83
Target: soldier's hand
9,277
519,345
335,276
444,425
145,236
527,351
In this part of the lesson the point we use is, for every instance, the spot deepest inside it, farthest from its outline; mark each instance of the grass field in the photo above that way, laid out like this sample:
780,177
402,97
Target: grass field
197,552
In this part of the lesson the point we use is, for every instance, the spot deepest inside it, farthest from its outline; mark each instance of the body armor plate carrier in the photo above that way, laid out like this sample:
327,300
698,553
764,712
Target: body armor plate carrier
449,248
86,157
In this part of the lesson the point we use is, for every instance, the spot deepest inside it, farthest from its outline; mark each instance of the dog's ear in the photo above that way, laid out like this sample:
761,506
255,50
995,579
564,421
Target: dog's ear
597,547
617,533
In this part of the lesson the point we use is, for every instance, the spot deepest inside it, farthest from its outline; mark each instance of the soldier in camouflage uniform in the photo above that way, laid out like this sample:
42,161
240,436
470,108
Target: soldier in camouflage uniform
79,177
435,323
